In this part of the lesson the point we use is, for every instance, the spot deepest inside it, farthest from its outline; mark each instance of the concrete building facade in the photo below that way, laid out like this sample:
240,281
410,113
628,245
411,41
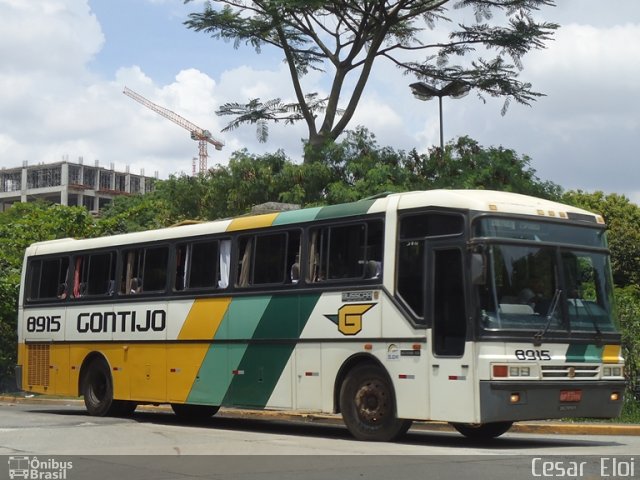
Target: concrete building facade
67,183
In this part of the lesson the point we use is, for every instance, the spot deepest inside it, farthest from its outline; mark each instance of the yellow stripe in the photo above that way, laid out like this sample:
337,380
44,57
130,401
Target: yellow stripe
257,221
204,318
611,354
184,360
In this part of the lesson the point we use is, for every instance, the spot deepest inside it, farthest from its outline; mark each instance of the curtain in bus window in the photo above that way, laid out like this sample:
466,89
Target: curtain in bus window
245,267
131,271
225,263
314,265
76,277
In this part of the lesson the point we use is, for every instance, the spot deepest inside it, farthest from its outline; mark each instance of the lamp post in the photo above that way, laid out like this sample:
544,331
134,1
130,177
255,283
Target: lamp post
424,91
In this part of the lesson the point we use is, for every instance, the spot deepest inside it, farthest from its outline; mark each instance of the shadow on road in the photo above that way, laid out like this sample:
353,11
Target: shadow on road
418,435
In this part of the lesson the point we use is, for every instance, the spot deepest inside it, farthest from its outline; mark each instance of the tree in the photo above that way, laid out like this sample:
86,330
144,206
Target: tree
360,168
20,226
467,164
623,222
628,310
134,213
348,36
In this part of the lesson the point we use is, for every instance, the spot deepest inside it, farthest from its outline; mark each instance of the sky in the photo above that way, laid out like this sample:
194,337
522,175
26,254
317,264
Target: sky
64,64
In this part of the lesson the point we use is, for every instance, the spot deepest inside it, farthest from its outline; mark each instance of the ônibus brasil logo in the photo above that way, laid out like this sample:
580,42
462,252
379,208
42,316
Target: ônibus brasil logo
37,469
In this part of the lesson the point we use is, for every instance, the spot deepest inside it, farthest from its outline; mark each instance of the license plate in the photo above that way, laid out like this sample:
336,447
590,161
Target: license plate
570,395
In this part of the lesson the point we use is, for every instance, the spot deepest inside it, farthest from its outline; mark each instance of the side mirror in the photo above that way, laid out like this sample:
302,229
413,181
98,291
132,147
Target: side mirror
478,269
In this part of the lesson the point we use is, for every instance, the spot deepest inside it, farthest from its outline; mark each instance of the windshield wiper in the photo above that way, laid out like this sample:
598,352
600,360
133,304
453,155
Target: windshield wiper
555,301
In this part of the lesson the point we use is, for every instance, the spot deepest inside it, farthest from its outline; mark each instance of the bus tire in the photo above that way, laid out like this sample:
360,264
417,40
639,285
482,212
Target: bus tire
368,406
194,412
482,430
97,389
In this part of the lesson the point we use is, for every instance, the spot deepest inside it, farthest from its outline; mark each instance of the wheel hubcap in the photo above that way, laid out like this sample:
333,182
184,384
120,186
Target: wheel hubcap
371,402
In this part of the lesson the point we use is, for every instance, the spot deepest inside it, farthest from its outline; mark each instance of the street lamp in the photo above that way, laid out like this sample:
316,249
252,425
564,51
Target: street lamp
424,91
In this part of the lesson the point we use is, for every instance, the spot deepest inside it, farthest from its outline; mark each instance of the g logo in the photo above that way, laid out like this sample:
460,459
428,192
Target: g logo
350,318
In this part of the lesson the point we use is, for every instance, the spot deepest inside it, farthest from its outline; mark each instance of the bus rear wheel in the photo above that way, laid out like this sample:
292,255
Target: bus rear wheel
194,412
482,430
368,406
97,388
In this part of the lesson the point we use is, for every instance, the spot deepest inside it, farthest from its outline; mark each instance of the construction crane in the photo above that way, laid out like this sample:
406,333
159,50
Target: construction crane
202,136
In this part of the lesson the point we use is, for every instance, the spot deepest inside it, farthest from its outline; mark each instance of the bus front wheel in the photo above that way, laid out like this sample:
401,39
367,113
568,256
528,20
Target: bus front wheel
368,406
482,430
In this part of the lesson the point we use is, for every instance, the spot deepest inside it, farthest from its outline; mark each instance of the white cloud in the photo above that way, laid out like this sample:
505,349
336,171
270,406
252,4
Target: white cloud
52,36
52,104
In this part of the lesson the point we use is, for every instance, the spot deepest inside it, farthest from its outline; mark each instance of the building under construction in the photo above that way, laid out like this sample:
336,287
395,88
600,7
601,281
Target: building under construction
70,184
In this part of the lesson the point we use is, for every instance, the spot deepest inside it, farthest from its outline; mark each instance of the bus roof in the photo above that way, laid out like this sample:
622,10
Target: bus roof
478,200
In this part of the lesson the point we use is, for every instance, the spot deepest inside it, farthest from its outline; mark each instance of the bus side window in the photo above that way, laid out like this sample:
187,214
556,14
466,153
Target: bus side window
197,265
46,278
342,252
268,259
94,274
131,268
154,275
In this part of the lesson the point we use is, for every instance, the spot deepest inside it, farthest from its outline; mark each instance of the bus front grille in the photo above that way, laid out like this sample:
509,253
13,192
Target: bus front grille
38,364
580,372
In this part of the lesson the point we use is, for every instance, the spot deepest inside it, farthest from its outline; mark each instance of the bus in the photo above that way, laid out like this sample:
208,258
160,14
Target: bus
478,308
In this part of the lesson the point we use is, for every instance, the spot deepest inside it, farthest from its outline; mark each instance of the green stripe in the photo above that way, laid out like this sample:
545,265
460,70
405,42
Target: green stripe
345,209
297,216
584,353
214,377
284,318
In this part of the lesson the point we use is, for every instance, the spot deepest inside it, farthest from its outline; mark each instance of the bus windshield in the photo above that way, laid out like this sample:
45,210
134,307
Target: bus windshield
546,288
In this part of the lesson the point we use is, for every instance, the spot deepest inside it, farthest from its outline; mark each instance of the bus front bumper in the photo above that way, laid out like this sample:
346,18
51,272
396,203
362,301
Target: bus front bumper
539,400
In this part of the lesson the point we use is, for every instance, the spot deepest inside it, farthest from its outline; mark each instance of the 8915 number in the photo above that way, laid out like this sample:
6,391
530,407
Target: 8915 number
533,354
43,324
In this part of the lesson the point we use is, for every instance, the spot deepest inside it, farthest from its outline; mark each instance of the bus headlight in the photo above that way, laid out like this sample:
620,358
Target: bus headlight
612,371
510,371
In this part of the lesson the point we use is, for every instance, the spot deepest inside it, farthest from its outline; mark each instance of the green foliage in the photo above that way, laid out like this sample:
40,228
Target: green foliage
628,309
360,168
344,39
135,213
623,223
20,226
466,164
349,170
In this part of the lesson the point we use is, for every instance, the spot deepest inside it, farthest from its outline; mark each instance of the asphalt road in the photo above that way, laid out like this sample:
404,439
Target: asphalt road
153,443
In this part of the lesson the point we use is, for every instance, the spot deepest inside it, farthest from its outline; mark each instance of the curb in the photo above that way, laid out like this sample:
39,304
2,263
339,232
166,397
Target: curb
536,427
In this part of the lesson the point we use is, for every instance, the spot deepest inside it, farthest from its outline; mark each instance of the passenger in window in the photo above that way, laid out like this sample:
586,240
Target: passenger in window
62,291
136,285
373,269
295,270
534,296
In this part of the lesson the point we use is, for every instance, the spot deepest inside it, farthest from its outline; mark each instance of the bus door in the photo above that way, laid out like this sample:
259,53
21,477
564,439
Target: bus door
451,373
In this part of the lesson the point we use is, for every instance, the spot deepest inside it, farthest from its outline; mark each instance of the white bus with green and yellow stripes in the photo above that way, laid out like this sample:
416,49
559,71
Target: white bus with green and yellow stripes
478,308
